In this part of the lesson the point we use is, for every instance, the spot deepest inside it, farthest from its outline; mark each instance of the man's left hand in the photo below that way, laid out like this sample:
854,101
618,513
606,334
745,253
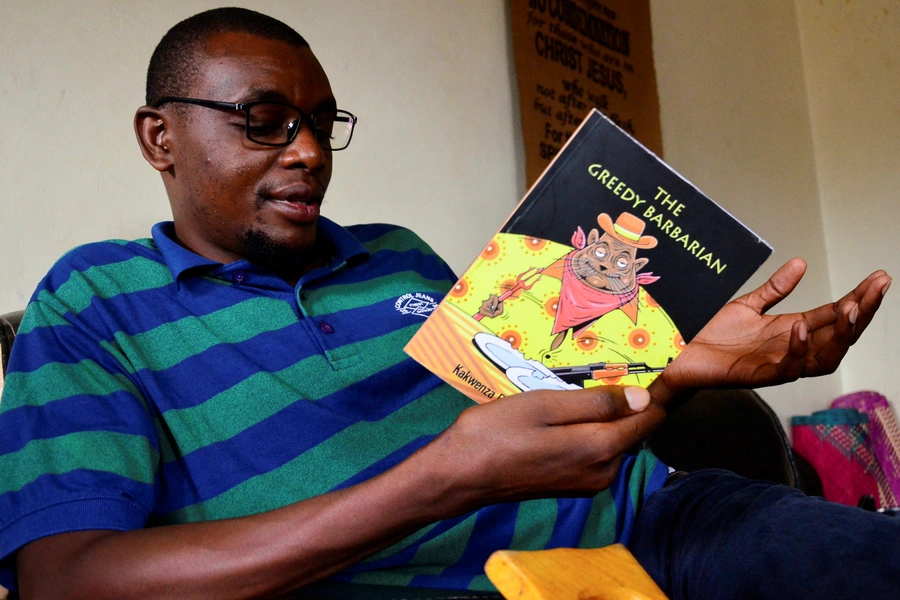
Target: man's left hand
743,346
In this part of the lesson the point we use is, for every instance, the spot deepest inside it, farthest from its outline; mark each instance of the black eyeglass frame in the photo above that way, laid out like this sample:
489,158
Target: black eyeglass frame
310,118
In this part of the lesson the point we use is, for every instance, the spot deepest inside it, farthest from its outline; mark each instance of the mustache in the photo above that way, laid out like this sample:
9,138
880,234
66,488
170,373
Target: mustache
267,189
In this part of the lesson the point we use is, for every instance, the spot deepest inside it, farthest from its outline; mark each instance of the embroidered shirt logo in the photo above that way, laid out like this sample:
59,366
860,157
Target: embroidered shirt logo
415,304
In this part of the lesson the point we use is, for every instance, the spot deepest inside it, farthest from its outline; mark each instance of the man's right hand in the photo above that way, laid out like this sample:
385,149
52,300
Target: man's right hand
545,443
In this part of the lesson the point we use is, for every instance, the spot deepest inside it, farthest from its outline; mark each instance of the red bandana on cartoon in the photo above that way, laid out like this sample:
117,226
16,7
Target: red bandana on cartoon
581,305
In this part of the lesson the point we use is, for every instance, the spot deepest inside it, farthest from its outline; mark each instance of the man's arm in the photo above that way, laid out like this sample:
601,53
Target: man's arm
743,346
539,444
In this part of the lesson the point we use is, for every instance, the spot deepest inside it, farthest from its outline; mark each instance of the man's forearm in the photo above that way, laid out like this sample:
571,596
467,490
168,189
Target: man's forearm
539,444
262,555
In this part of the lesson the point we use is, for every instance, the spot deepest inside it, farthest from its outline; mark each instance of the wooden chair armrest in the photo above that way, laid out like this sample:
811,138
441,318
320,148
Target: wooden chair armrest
610,573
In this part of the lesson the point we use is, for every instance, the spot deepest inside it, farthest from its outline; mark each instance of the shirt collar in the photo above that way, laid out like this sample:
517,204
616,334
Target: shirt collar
345,248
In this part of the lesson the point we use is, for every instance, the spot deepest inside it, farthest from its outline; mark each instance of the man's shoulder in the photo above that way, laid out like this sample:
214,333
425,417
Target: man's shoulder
104,261
106,252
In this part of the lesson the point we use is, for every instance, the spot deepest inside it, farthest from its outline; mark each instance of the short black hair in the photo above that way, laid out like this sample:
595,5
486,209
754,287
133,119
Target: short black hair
174,64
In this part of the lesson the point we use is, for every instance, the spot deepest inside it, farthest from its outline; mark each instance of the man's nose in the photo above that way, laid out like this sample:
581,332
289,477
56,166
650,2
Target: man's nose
304,151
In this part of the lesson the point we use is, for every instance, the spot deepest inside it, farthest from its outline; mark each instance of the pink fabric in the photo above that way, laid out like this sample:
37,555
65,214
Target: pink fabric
580,304
885,440
839,452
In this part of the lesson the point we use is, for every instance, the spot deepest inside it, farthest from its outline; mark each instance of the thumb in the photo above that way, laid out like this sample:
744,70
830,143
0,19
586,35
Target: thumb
778,287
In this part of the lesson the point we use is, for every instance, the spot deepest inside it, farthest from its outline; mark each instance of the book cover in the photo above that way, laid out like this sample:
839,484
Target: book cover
607,268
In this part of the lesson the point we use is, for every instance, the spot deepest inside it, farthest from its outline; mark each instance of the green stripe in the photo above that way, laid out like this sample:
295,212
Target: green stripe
534,524
334,298
42,314
170,343
243,405
644,463
398,240
56,381
256,398
534,527
481,583
445,550
106,281
432,558
399,577
105,451
332,461
600,527
402,544
145,242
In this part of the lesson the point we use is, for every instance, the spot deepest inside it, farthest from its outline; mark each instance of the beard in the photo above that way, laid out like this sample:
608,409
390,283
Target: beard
261,249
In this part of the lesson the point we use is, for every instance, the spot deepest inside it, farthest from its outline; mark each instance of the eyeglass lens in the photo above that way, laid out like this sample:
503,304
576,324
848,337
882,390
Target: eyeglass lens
276,124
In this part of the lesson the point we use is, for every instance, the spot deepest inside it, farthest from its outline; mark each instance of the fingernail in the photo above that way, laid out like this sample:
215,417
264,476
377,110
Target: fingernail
854,312
638,398
802,331
886,288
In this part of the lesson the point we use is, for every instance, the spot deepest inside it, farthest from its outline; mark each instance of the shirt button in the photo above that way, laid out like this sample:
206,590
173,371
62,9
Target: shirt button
325,327
239,277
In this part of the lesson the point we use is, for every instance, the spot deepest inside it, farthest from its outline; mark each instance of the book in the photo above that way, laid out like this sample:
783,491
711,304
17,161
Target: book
607,268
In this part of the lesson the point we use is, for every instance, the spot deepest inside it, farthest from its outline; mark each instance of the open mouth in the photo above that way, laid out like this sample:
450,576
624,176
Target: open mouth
297,211
299,203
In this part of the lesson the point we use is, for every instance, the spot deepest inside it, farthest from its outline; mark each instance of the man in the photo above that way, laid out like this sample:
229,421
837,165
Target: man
224,410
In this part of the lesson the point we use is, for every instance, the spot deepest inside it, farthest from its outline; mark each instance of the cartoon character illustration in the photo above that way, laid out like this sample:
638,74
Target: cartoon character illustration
598,276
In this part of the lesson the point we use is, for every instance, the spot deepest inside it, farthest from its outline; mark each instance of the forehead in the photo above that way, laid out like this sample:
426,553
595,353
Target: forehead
238,67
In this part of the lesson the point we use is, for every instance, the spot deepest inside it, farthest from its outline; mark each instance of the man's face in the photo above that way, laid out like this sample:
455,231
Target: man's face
232,198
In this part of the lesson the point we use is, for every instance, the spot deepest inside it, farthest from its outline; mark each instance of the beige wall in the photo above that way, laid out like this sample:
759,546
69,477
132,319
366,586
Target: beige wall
430,81
735,122
851,58
748,92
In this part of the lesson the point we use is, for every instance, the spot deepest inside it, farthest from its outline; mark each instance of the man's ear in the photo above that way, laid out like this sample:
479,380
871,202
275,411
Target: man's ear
640,263
151,129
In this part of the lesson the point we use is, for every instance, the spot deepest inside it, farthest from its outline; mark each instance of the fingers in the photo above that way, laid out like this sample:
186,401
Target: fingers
791,366
600,404
619,436
605,421
832,352
868,296
779,286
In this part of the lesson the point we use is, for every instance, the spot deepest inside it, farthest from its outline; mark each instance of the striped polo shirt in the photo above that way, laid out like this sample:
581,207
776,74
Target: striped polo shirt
151,386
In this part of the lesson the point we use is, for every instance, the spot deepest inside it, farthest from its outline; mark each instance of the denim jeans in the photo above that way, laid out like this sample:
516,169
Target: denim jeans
712,534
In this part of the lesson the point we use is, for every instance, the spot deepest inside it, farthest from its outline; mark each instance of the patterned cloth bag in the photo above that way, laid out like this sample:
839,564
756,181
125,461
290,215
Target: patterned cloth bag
884,433
836,444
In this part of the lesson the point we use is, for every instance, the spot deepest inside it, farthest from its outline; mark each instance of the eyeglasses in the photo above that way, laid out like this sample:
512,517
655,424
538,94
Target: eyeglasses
277,123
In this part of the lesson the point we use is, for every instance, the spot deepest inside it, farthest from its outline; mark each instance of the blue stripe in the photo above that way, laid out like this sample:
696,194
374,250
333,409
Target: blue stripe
305,423
371,231
655,481
121,413
280,349
390,262
80,484
622,496
571,516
